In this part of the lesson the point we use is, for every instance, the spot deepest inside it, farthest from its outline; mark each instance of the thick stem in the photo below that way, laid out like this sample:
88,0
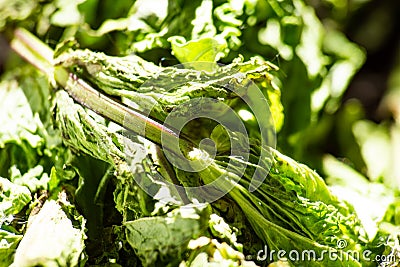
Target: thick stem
33,50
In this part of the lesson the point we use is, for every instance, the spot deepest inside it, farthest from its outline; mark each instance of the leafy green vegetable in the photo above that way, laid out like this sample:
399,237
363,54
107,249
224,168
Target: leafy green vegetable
164,239
134,202
316,218
126,77
293,201
19,128
8,244
309,188
13,197
51,239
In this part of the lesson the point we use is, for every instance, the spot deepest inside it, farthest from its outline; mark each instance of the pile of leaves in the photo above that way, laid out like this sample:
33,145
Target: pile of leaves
82,183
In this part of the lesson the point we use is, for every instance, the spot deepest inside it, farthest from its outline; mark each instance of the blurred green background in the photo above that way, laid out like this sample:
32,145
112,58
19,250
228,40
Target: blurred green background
373,92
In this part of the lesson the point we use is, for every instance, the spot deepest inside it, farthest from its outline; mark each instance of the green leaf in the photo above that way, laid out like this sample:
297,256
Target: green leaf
8,244
294,203
34,178
13,198
51,239
205,49
163,239
67,13
18,122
